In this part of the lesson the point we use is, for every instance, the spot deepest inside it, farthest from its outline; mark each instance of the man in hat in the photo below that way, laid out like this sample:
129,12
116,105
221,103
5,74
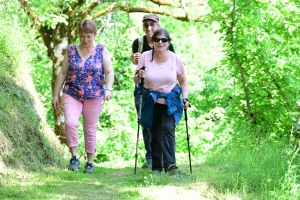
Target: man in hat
140,45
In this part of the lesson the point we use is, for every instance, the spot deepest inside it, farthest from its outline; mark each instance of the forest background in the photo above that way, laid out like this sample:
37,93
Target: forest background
242,60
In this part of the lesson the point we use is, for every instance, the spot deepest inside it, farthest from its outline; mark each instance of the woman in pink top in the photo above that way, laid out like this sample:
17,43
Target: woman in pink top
162,105
88,77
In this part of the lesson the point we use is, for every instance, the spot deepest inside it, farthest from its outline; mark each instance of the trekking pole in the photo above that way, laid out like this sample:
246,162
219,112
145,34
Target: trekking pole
139,121
187,134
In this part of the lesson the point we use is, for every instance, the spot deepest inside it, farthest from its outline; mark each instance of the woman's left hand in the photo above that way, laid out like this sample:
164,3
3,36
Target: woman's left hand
186,104
107,95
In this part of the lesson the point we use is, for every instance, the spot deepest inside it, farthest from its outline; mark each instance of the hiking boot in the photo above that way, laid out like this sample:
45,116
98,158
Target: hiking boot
156,171
74,163
180,172
173,170
89,168
147,165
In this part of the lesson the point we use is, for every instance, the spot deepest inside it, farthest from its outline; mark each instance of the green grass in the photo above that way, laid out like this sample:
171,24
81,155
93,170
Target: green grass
261,170
105,183
265,172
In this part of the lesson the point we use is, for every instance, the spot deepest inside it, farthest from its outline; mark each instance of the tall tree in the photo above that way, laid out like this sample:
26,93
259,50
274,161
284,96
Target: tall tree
56,23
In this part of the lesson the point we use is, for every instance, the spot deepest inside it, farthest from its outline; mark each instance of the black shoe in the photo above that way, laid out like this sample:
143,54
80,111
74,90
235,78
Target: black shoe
147,165
156,172
74,163
89,168
172,170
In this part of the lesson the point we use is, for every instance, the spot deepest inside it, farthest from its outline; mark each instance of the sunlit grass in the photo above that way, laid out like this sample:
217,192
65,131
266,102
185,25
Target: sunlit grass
105,183
236,172
261,170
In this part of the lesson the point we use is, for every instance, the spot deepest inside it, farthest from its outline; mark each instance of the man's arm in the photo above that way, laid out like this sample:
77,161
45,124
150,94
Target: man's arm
134,57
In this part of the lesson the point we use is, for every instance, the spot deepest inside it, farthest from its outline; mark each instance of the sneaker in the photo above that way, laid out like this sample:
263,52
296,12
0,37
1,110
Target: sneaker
147,165
74,163
89,168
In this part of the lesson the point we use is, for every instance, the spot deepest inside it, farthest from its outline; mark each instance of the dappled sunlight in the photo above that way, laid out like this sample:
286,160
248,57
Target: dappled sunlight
173,192
197,191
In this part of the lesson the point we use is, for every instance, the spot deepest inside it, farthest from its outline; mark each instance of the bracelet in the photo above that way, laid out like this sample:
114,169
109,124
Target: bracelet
108,89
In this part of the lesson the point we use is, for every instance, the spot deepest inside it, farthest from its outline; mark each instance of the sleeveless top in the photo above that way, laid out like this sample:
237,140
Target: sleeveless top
85,79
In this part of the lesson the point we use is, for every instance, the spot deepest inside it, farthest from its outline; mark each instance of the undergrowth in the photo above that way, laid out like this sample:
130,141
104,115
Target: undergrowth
26,141
255,168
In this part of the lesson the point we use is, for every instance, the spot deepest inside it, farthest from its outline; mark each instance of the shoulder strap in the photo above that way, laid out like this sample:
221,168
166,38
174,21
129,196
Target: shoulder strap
141,43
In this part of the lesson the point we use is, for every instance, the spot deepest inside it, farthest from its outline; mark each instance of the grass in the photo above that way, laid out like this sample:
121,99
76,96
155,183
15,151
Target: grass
264,173
266,170
26,140
107,183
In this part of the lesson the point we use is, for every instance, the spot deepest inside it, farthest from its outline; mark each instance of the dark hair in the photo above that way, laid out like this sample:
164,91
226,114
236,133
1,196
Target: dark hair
158,32
87,25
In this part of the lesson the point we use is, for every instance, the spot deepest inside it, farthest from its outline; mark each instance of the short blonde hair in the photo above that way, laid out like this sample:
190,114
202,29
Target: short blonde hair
87,25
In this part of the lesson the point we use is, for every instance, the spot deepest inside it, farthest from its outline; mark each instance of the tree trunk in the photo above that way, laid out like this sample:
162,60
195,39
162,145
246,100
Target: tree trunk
62,37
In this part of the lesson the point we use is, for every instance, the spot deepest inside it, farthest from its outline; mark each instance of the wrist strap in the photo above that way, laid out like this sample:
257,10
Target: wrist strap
184,100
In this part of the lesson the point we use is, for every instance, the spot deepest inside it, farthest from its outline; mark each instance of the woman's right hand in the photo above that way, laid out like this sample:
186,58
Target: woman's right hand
142,73
55,103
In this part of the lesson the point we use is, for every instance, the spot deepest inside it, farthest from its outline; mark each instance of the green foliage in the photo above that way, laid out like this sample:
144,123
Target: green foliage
42,76
51,12
259,73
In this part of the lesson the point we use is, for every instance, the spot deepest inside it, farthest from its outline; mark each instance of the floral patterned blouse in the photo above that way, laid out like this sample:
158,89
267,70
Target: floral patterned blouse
85,79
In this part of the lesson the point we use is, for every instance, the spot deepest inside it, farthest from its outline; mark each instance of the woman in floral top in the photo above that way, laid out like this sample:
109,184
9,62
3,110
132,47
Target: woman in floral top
88,76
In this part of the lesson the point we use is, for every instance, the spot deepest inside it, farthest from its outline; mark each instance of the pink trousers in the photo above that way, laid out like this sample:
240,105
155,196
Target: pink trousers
90,110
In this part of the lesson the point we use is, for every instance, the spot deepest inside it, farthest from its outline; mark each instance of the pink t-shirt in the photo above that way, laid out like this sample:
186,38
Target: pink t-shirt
161,77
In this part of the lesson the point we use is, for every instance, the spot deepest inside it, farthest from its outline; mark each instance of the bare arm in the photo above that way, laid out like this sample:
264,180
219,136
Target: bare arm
60,81
184,87
109,73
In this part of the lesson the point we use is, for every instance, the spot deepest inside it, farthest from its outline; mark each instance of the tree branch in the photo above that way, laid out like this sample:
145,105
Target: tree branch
34,17
146,10
176,5
240,67
44,32
75,7
88,9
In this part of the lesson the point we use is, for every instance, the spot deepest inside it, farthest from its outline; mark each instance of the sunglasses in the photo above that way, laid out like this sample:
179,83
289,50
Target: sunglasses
146,25
164,40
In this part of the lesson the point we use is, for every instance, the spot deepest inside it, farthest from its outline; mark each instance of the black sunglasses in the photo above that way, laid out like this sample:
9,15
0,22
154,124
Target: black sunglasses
146,25
164,40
